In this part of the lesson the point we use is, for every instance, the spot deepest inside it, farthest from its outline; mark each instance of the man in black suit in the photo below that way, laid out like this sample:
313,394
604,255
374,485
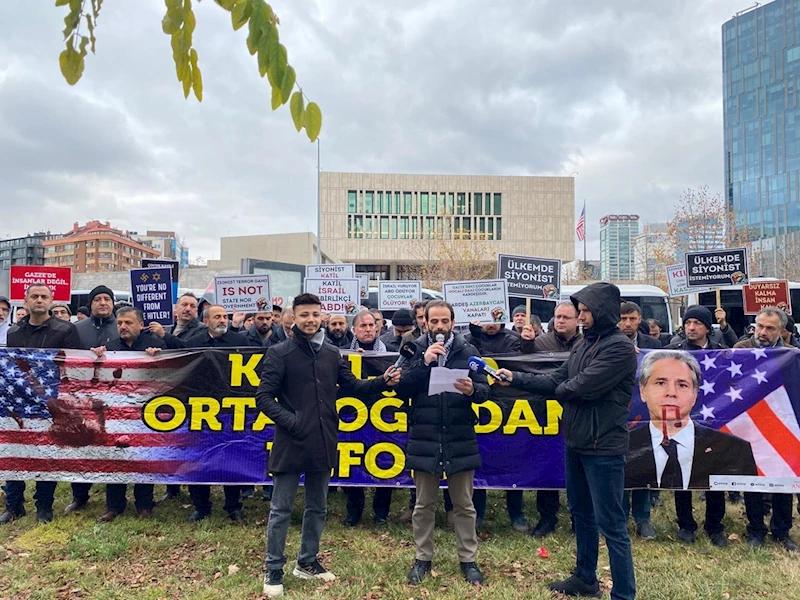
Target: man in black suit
674,451
637,501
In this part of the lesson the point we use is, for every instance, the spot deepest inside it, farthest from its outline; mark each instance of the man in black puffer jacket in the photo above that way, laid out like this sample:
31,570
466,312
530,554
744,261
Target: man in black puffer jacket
441,439
493,338
594,387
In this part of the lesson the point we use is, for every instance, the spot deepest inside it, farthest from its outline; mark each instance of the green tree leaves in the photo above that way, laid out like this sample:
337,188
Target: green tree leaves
179,22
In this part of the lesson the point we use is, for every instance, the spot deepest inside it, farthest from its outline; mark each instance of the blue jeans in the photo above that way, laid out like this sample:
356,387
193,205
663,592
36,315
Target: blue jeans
638,503
284,492
595,487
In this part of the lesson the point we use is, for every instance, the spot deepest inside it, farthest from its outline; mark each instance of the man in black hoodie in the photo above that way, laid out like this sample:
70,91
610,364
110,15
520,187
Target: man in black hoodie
37,330
594,386
133,337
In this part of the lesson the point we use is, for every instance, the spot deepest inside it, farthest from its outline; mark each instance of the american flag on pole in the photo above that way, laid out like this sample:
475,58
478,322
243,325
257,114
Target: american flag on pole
66,415
580,229
754,394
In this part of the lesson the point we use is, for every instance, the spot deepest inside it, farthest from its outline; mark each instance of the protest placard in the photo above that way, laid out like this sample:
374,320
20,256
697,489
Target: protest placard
530,277
716,268
58,279
338,296
331,271
394,295
160,263
481,301
243,293
151,292
676,280
363,282
761,294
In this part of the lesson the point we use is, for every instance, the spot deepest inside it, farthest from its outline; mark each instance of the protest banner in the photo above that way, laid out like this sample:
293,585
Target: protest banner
331,271
190,417
716,268
530,277
676,280
58,279
338,296
394,295
761,294
173,265
151,292
243,293
363,282
482,301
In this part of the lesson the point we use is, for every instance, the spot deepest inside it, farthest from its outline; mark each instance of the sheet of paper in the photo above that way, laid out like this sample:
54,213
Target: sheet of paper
444,379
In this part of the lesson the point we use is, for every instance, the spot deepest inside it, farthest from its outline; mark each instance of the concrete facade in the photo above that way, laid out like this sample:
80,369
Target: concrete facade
295,248
373,220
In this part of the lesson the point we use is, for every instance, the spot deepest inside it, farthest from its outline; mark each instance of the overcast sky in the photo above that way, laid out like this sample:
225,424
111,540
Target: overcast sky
627,93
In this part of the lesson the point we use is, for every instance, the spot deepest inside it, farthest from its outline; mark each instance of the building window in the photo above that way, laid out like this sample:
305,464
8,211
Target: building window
450,206
379,207
477,204
498,204
482,228
466,228
434,203
490,229
461,206
403,228
429,227
487,198
352,207
414,228
423,203
498,230
368,227
407,203
369,208
384,228
397,203
393,228
358,226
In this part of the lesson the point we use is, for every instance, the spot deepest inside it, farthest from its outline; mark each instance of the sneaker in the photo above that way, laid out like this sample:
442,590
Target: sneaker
419,571
686,536
450,517
380,522
406,516
719,540
645,531
472,573
575,586
10,515
543,528
788,544
351,521
313,570
520,525
44,515
755,541
273,583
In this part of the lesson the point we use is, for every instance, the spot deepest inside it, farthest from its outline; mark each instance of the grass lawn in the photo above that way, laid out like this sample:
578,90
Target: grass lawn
166,557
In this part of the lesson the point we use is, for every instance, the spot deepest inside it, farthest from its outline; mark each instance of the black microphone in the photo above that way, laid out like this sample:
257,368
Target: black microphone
407,352
441,358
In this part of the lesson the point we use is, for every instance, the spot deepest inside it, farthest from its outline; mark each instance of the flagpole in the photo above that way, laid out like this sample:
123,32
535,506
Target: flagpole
585,232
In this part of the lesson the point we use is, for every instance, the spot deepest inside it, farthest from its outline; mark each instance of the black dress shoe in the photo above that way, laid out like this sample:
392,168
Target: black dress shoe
351,521
685,535
10,515
718,539
543,528
44,515
788,544
380,522
197,516
75,505
419,571
755,541
107,517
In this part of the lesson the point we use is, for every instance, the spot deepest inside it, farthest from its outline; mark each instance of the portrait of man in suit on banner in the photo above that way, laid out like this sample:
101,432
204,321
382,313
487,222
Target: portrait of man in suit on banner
673,451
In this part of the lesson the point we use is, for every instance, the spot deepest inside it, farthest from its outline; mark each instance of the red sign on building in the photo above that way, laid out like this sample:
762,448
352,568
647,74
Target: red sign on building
59,279
760,294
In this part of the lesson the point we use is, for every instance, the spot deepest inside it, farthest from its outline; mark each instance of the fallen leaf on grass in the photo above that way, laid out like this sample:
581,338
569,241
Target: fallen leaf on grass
233,569
734,538
217,575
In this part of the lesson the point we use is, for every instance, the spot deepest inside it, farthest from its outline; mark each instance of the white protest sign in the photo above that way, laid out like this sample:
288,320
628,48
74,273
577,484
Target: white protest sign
676,279
482,301
363,280
243,293
338,296
394,295
331,271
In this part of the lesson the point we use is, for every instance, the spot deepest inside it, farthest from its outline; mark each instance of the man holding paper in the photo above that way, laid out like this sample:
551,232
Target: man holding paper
441,436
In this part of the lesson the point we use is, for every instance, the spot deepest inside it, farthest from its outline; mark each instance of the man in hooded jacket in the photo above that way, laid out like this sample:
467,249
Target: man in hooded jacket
594,386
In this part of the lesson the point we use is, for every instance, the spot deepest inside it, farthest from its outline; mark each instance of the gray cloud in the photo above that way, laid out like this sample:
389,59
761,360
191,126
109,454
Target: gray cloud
627,93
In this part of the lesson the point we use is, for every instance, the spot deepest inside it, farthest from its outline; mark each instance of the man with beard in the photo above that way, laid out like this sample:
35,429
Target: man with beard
216,334
442,440
283,332
493,338
186,323
594,386
402,323
770,324
133,337
338,333
261,329
38,330
304,375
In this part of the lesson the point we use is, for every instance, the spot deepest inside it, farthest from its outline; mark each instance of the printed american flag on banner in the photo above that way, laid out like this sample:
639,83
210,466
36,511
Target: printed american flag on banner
754,394
67,415
581,227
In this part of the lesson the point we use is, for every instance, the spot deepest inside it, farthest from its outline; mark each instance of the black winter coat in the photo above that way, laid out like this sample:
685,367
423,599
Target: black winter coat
554,342
646,341
391,341
53,333
595,384
306,420
174,341
144,341
255,339
229,339
343,342
505,341
96,332
441,435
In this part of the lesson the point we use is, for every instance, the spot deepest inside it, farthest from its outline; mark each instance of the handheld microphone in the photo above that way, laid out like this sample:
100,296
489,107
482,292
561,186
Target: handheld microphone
440,359
407,352
479,365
